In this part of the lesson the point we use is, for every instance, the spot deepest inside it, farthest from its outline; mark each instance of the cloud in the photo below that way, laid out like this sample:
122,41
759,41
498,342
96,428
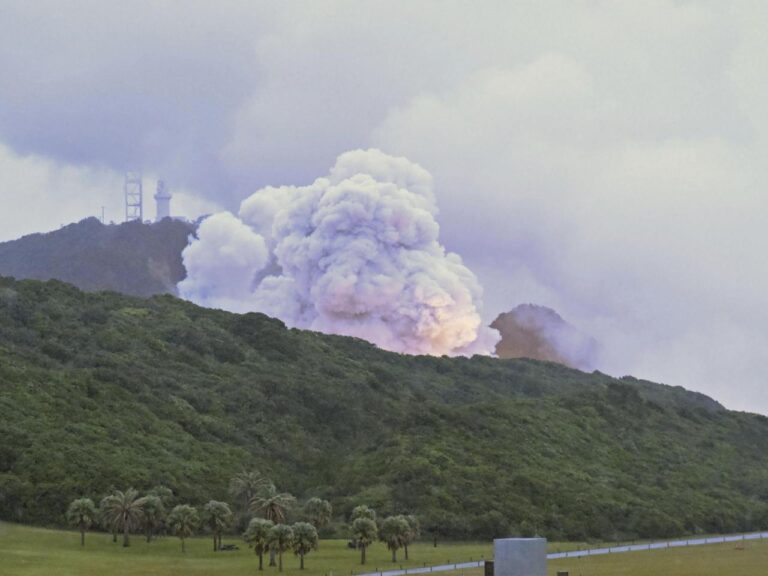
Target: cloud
40,194
606,161
651,240
356,253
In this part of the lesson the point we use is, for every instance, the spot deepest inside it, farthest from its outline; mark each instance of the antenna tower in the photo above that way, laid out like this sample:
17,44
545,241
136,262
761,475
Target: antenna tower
134,204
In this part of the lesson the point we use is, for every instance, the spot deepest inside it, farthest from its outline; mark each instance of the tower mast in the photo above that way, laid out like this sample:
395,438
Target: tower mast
134,197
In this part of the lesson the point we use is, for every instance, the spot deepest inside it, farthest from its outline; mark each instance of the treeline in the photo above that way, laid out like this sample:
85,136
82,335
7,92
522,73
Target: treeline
259,507
103,391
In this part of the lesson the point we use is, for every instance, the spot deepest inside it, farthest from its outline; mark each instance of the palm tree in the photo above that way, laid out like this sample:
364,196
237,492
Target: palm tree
318,511
244,486
183,520
163,492
153,514
82,513
216,516
273,505
364,532
280,539
304,540
393,533
257,535
124,512
413,533
105,518
363,511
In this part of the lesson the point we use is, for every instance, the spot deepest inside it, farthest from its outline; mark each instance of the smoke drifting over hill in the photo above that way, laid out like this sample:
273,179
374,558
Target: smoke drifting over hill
354,253
530,331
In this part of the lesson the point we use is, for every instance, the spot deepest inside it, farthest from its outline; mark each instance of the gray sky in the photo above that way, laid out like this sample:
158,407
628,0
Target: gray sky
603,158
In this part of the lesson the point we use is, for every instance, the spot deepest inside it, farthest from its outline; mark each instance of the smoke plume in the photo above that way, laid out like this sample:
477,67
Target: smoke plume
354,253
530,331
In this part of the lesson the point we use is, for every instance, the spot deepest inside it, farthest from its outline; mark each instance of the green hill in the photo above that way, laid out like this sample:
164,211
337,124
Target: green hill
104,390
132,258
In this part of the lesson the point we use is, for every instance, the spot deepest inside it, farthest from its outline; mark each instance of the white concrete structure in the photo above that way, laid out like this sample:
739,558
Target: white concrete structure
163,200
520,557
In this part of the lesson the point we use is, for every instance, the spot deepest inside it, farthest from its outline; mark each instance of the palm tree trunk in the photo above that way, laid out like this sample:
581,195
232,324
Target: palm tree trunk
362,553
261,560
114,535
214,542
126,540
149,534
406,551
183,548
219,540
82,535
272,557
301,561
280,554
394,556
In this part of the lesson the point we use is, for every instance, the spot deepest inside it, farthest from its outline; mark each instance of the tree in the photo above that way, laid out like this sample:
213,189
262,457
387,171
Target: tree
318,512
153,515
244,487
414,531
123,511
304,540
82,513
363,511
105,518
164,493
393,533
280,539
257,535
183,521
216,516
364,532
273,505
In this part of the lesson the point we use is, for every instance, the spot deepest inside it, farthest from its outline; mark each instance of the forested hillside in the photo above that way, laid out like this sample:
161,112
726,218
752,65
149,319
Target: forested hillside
103,390
132,258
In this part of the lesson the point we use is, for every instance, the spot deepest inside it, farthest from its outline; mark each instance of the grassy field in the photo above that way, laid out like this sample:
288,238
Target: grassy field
733,559
26,551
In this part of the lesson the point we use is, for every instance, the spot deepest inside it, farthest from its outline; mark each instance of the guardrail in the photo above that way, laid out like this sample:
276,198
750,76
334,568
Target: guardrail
582,553
427,569
658,545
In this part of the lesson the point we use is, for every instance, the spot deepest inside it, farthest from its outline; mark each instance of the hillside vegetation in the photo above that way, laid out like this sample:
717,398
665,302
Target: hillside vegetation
101,391
132,258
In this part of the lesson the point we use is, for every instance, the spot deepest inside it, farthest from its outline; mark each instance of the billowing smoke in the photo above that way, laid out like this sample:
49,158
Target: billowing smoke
354,253
538,332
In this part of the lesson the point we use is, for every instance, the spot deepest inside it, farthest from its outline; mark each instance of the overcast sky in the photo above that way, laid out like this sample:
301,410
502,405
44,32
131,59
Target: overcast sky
607,159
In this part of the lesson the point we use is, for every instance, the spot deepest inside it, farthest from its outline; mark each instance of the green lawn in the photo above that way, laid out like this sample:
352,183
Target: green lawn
26,551
732,559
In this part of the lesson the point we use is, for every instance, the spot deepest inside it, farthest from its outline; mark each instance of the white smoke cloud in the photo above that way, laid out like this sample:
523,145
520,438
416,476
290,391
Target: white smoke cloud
355,253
